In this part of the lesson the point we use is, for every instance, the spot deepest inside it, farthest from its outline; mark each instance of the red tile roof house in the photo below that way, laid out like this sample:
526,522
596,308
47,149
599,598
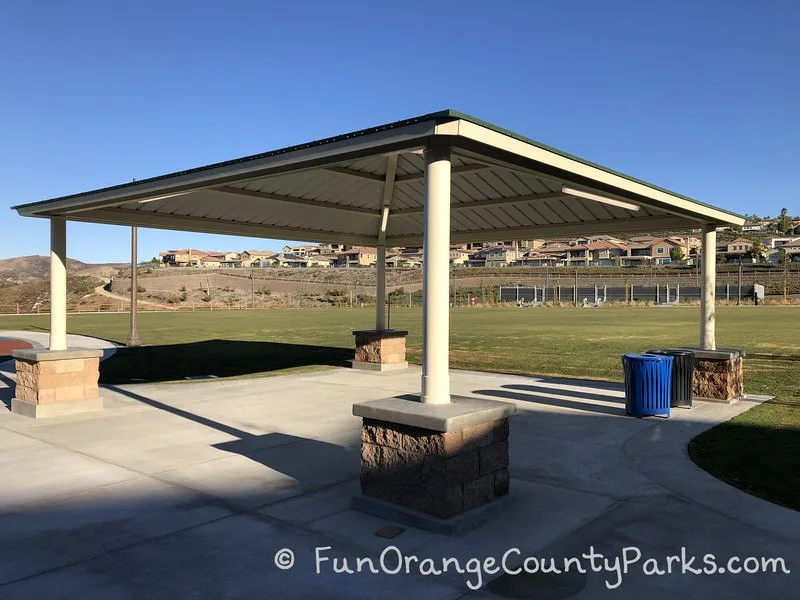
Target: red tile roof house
358,256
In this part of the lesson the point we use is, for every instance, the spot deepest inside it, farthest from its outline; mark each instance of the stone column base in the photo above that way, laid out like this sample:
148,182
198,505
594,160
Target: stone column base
718,375
56,382
380,350
440,460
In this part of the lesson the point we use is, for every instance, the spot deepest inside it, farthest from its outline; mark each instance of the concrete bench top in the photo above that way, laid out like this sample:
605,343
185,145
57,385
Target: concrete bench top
37,355
382,333
718,354
460,413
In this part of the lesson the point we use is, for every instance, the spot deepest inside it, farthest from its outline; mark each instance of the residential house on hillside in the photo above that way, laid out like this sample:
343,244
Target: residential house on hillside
287,260
534,258
404,261
301,251
358,256
605,252
217,260
318,260
735,251
458,256
792,250
333,248
777,242
248,257
186,257
650,251
495,256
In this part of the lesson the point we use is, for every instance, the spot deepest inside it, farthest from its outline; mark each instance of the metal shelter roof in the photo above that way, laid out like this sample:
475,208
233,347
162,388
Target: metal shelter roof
504,186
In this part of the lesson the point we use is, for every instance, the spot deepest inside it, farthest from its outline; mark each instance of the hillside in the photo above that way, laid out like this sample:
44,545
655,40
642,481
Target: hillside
24,269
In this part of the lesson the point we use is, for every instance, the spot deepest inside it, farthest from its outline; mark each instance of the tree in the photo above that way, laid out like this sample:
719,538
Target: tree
676,254
758,251
784,222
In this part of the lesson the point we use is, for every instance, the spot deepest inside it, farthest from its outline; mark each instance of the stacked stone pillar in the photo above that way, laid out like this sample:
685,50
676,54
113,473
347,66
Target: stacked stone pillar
718,375
56,382
380,350
439,473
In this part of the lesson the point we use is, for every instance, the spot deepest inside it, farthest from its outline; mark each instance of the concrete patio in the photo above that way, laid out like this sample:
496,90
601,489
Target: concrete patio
190,489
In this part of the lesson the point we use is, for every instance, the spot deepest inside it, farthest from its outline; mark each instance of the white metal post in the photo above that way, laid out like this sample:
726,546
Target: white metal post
58,283
133,334
707,293
436,265
380,292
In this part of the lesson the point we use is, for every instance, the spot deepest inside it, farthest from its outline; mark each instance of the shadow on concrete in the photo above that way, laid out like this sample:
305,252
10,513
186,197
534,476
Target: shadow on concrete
218,358
302,465
581,402
543,387
595,385
6,393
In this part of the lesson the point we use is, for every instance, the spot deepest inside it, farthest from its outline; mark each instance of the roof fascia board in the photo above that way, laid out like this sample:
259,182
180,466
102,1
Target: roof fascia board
528,149
273,163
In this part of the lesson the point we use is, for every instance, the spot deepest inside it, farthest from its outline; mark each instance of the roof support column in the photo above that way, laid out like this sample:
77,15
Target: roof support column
708,292
58,283
380,292
436,280
133,333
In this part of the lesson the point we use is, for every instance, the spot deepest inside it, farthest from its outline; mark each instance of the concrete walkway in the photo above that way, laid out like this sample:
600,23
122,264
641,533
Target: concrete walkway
190,489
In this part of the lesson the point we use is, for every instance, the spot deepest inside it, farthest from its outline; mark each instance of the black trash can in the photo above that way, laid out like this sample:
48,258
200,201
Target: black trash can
682,373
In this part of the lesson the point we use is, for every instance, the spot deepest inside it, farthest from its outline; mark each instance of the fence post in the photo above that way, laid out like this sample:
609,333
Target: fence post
631,293
558,292
658,294
605,292
728,292
595,294
575,290
678,294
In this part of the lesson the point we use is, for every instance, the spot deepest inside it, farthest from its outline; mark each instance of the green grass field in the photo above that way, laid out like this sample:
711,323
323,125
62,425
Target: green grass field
756,451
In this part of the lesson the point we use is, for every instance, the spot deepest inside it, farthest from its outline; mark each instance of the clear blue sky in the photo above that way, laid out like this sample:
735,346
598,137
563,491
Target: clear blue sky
699,97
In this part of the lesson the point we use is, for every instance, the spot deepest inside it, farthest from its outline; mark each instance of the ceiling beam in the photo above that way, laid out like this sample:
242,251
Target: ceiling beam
454,171
490,202
293,200
120,216
355,173
386,200
641,224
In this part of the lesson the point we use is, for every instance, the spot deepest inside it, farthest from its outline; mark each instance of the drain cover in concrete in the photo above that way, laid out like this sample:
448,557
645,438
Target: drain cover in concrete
538,586
389,531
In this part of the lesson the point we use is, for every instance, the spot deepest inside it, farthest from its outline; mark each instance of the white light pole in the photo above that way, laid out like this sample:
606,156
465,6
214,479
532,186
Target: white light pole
708,291
436,264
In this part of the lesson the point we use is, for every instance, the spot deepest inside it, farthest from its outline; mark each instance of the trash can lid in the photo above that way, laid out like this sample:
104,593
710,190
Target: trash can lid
651,357
671,352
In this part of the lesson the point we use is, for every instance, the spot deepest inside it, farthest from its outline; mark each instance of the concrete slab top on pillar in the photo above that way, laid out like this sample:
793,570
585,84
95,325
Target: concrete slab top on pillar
718,354
384,333
39,355
461,412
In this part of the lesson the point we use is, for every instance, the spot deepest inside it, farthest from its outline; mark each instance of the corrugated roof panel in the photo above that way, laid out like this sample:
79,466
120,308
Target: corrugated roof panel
531,212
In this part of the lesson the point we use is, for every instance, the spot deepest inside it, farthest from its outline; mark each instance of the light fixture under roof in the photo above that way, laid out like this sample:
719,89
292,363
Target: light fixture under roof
146,200
597,198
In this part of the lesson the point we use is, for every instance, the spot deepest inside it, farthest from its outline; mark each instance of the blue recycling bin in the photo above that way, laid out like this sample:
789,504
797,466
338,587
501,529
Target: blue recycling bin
648,384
